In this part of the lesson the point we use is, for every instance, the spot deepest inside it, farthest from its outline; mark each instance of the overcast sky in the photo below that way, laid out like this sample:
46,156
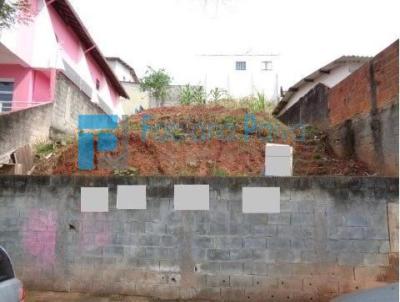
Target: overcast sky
307,34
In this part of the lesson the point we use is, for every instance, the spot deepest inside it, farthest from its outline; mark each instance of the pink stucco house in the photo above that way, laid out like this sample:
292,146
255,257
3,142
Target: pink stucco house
53,59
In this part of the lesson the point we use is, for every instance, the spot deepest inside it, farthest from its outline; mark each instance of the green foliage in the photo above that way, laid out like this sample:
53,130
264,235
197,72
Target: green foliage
126,172
44,149
156,82
192,95
219,172
14,12
217,94
257,104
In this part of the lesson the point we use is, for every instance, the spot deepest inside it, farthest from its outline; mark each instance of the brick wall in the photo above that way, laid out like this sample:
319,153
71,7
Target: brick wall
333,235
363,113
69,103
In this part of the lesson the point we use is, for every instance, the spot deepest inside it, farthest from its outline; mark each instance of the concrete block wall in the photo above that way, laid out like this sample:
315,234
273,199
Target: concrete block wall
333,235
69,103
24,127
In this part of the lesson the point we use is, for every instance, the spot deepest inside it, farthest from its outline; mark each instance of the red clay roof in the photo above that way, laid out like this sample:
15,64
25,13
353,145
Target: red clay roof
71,18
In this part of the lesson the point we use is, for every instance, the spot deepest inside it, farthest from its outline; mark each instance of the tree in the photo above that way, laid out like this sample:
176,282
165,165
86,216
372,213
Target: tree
14,12
156,82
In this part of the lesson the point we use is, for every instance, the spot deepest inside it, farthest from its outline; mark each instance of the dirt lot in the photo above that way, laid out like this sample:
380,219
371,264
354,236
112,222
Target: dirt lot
202,141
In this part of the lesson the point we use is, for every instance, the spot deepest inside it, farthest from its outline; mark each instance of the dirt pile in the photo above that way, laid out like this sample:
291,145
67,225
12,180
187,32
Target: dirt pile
202,141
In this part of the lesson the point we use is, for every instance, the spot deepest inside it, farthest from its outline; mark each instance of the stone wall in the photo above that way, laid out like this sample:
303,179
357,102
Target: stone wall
69,103
23,127
333,235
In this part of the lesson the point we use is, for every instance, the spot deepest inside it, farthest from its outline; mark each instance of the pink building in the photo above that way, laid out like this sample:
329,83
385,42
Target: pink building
53,59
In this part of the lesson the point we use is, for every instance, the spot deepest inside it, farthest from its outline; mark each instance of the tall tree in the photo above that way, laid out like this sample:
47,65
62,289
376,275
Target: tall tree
14,12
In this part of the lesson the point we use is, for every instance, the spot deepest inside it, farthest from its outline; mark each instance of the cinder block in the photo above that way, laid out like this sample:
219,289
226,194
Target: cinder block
255,242
279,219
202,242
302,219
241,254
350,258
375,259
228,242
241,281
218,255
94,199
255,268
149,240
208,267
191,197
217,280
278,243
261,200
131,197
233,294
231,267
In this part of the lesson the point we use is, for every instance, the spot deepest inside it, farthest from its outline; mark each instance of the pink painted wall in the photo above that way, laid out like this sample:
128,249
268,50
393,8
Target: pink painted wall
29,85
95,71
73,49
42,88
37,85
68,41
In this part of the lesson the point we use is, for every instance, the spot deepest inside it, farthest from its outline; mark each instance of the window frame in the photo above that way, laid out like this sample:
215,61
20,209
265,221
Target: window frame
240,64
11,93
265,65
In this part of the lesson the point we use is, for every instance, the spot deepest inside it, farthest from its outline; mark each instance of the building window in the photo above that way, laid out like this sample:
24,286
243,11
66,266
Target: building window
97,84
266,65
241,65
6,95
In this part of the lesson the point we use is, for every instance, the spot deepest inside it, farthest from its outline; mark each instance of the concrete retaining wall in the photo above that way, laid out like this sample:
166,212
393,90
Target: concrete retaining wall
310,109
69,103
23,127
333,235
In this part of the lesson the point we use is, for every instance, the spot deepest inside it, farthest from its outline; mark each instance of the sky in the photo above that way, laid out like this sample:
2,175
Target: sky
306,34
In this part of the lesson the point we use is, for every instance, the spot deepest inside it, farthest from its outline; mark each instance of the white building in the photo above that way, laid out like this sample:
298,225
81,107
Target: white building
242,75
329,75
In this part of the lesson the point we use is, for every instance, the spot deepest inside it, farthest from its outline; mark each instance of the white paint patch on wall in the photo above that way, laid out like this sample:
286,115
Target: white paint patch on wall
261,200
191,197
94,200
131,197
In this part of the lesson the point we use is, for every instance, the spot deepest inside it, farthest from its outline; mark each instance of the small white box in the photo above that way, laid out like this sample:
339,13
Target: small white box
94,200
191,197
278,160
278,150
278,166
131,197
261,200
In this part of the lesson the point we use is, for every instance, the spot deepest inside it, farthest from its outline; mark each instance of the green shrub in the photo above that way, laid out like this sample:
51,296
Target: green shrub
192,95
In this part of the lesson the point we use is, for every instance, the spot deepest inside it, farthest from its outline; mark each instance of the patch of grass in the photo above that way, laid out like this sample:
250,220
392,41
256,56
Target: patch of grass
126,172
219,172
44,149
